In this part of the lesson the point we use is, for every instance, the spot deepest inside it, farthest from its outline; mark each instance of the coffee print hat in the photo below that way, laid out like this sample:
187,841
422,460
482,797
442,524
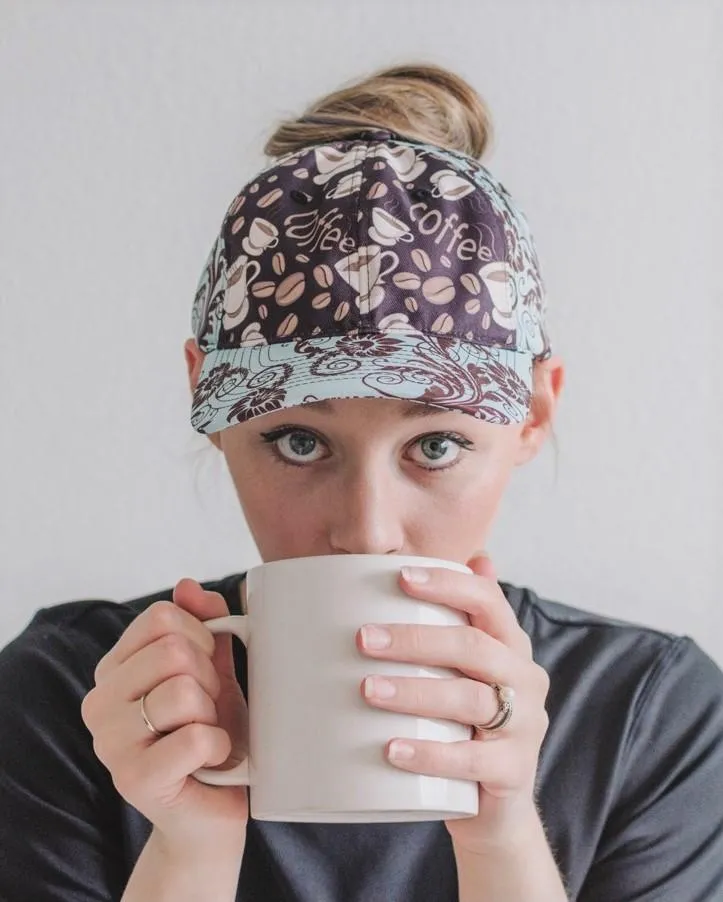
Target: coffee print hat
370,267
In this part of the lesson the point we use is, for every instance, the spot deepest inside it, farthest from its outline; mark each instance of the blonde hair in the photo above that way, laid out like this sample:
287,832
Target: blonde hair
423,102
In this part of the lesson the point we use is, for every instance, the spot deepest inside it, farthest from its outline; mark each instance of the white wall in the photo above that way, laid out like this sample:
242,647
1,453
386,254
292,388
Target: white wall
128,126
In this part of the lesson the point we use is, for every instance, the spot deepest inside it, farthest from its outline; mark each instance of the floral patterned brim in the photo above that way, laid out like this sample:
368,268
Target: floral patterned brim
237,384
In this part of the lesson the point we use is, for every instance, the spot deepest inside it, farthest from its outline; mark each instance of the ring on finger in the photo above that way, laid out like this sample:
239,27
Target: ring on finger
505,704
146,720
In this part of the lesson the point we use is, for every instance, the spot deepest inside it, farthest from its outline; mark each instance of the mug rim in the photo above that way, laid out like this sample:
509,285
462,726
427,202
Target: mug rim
443,563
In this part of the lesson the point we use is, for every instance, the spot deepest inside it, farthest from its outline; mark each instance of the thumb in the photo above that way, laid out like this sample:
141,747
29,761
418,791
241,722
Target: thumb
192,597
481,564
204,605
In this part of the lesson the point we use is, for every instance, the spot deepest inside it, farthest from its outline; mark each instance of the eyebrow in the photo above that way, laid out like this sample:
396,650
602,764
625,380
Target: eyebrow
412,409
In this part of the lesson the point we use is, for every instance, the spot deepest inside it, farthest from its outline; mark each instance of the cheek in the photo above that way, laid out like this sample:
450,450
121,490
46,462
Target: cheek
458,511
281,520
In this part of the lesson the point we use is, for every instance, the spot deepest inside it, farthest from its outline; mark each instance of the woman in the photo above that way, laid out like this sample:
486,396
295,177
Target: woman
371,357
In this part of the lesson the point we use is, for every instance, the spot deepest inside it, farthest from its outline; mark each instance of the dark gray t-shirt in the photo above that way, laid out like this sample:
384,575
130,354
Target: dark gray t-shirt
630,775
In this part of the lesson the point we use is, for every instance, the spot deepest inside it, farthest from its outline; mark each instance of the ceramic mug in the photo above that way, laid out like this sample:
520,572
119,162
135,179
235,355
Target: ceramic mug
316,748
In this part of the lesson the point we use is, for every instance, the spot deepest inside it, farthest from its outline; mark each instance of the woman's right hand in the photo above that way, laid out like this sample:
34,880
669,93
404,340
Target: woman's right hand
187,676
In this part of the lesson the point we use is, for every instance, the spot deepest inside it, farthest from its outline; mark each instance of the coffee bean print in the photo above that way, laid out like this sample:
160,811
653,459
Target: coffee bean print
341,312
508,340
486,319
497,275
288,326
238,224
443,324
237,204
272,178
263,311
411,304
263,289
270,198
378,189
321,300
439,290
471,283
233,275
254,188
446,261
472,306
407,281
290,289
421,260
324,275
278,263
302,258
301,173
380,165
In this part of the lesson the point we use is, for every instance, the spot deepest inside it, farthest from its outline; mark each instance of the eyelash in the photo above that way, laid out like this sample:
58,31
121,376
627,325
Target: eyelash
270,438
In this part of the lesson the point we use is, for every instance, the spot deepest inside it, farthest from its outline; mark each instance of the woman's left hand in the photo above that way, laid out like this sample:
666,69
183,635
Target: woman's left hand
492,649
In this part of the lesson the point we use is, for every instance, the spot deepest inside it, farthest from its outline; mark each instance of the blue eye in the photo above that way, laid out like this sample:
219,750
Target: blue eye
295,446
440,450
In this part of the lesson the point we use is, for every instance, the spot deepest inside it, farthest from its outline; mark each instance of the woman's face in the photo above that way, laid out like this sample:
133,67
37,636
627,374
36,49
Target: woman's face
374,476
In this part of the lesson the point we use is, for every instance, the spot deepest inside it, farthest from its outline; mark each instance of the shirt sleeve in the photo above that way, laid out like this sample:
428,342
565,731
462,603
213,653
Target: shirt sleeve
59,834
663,841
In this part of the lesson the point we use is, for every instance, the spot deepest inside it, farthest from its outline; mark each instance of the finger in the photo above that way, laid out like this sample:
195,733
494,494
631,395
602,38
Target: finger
462,700
481,564
170,656
500,769
175,703
479,597
463,648
170,706
193,598
161,770
165,617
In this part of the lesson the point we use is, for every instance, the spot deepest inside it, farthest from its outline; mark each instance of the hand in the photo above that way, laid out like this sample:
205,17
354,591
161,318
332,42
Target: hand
492,649
191,695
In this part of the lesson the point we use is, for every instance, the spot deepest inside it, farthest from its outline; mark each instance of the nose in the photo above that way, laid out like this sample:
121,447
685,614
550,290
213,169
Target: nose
367,514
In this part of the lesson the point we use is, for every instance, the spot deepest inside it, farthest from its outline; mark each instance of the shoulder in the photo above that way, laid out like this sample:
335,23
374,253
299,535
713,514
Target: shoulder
628,685
569,637
606,671
77,633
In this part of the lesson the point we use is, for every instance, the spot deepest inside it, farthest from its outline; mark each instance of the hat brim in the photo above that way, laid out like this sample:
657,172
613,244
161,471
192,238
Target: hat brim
237,384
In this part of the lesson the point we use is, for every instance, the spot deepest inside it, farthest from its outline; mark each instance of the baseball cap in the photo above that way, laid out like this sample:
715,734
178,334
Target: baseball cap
374,266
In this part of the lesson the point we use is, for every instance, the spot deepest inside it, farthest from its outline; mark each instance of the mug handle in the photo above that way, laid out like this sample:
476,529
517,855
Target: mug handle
238,625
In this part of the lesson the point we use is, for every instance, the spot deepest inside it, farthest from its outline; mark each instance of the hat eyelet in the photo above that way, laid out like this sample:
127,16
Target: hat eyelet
300,197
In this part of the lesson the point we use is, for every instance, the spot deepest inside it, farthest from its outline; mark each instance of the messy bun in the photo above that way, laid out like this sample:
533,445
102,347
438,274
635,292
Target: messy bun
423,102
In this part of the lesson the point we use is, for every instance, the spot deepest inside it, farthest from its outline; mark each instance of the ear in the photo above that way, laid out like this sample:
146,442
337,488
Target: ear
194,361
548,381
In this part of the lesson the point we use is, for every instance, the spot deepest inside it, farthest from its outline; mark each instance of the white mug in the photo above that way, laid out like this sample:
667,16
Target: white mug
316,747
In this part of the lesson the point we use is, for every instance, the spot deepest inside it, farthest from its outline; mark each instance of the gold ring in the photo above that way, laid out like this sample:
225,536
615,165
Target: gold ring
146,719
505,700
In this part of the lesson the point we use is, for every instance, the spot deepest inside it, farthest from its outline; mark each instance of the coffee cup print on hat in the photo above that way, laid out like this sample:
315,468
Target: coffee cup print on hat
370,267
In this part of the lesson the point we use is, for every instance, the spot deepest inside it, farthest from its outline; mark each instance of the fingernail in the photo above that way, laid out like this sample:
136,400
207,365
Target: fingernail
401,751
378,687
375,637
415,574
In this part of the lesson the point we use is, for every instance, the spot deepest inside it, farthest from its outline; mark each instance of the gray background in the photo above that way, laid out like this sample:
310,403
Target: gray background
128,127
